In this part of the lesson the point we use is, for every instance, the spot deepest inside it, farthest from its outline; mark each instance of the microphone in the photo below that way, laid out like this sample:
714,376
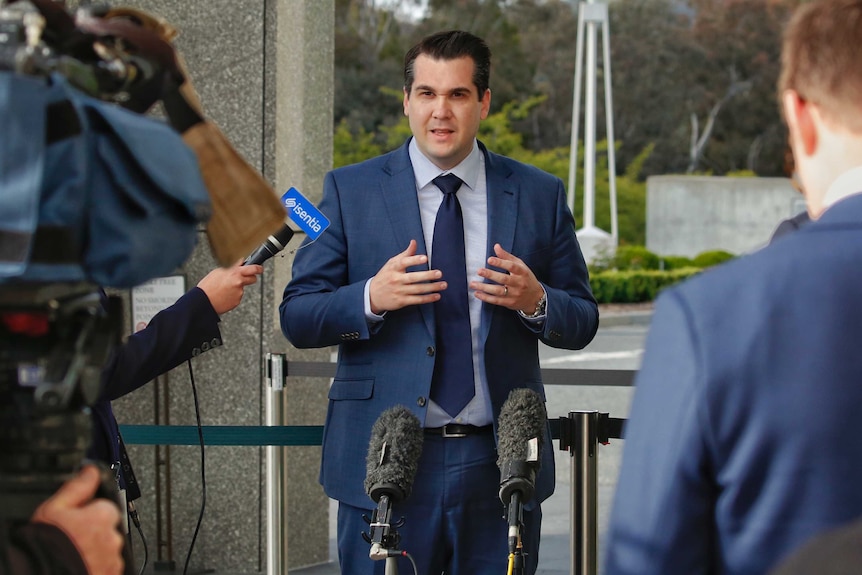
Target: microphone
393,457
273,244
301,212
520,435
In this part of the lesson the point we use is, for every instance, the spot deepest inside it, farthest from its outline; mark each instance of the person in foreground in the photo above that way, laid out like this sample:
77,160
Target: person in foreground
447,338
71,533
744,438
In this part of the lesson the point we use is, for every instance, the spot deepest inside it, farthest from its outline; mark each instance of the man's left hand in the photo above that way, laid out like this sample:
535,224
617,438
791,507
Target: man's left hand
515,288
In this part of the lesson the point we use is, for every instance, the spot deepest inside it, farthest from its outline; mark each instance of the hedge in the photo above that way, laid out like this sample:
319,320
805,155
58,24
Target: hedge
632,286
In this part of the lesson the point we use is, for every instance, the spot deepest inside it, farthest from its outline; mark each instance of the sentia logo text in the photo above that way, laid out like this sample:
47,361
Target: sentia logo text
304,213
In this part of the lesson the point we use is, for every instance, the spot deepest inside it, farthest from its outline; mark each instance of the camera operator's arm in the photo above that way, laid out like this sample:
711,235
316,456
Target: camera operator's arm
177,333
69,534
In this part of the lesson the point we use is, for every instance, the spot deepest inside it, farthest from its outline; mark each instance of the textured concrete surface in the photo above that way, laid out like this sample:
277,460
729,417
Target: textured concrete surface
687,215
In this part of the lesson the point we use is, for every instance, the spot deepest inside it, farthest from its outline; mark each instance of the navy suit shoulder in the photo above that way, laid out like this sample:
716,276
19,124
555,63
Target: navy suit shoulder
790,225
748,378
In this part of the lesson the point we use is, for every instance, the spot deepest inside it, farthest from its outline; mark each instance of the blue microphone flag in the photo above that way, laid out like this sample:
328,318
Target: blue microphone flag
304,213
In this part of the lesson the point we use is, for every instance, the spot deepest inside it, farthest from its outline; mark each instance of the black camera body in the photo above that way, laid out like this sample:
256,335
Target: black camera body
54,339
94,195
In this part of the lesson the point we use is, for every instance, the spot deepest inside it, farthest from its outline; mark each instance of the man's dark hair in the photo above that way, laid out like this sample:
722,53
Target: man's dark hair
451,45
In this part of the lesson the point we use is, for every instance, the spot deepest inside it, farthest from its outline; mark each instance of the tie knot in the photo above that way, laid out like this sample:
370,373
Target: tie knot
448,184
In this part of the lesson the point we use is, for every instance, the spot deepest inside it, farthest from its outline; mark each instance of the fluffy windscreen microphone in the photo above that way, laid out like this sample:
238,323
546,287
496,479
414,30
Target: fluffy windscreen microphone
393,454
393,457
520,435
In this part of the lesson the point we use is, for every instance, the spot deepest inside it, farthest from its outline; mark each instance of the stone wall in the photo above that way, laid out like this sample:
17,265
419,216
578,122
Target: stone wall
687,215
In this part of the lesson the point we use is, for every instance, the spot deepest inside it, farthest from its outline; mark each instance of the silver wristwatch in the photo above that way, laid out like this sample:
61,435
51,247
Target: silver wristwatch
540,308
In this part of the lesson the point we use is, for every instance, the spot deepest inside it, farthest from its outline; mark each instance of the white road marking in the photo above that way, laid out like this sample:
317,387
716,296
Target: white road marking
593,356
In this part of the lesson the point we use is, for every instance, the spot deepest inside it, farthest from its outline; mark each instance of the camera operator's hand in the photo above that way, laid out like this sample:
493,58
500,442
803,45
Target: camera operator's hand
91,524
224,286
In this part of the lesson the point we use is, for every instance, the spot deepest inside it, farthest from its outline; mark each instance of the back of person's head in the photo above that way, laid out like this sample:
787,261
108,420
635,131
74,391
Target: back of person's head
819,59
452,45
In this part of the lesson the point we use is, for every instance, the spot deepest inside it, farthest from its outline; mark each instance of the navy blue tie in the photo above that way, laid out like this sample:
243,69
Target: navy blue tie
452,384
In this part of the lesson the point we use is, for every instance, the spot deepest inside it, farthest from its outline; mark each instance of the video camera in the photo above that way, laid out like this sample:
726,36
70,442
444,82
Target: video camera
93,193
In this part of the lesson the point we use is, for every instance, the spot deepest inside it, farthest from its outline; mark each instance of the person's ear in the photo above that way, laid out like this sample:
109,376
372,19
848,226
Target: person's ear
406,102
800,115
486,104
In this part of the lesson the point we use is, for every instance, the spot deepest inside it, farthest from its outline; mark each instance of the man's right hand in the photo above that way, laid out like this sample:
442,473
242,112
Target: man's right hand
394,287
91,524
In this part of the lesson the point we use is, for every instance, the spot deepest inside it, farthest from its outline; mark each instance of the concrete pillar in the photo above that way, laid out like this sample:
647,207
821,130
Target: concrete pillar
264,72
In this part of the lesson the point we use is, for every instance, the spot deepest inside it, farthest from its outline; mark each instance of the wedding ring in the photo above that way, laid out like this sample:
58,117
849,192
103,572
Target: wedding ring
505,291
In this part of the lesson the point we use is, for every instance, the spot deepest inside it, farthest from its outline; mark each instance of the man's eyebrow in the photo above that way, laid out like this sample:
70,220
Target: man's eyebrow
427,88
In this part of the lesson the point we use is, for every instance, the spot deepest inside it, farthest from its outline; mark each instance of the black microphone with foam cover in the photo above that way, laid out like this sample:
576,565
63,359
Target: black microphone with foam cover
393,457
273,244
520,437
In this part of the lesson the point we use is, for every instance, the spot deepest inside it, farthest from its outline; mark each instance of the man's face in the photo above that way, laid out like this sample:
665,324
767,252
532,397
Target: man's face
444,109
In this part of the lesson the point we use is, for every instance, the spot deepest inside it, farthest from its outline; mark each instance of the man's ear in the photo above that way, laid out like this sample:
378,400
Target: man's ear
486,104
801,122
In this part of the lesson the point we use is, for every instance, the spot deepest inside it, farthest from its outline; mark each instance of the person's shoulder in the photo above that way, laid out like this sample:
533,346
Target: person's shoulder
397,158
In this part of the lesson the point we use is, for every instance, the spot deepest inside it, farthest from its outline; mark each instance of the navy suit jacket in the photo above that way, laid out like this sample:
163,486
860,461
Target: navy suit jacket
175,334
374,211
745,437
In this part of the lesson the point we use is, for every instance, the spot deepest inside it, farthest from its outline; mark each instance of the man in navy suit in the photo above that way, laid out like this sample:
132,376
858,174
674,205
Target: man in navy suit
744,438
366,285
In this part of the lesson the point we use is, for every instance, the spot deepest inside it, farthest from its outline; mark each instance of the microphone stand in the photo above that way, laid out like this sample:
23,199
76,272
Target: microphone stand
516,547
384,537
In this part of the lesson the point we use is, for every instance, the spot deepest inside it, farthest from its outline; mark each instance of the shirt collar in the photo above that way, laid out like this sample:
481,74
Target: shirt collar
424,169
847,184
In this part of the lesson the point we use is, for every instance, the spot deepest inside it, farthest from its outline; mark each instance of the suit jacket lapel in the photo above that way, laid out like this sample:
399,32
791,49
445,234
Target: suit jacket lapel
503,194
402,205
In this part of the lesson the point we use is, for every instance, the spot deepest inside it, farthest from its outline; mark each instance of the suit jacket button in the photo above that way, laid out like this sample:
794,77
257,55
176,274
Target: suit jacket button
215,342
429,351
196,352
205,346
420,401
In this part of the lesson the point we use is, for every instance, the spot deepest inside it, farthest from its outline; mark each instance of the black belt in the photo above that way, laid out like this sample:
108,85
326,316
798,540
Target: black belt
457,430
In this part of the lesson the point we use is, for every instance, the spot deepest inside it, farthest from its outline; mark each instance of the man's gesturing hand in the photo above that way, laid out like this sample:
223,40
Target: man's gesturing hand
515,288
393,287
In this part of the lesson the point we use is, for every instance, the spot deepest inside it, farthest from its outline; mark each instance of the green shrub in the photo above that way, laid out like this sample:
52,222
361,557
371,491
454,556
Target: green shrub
676,262
711,258
634,258
634,286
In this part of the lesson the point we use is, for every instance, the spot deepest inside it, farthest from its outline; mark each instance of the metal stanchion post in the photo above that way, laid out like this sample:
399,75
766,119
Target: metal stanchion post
584,529
276,489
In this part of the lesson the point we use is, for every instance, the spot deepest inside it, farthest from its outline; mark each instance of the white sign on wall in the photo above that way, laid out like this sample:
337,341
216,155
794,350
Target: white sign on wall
151,297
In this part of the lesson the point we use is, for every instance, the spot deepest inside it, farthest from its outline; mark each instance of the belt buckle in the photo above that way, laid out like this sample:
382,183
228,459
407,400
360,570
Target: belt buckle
446,433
